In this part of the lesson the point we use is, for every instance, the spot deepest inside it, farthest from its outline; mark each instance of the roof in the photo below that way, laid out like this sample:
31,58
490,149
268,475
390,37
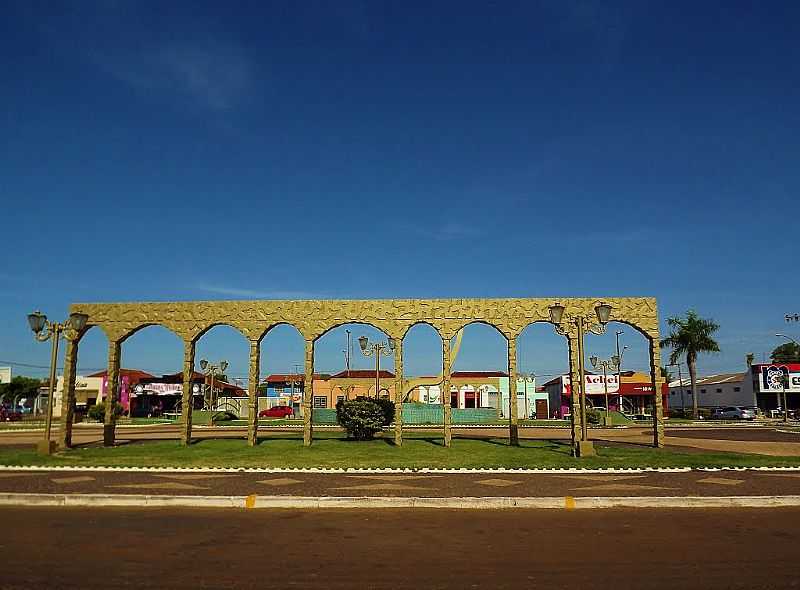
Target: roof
296,377
711,380
131,374
361,374
474,374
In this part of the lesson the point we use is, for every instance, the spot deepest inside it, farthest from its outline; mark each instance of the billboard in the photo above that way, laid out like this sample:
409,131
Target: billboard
5,375
774,378
594,384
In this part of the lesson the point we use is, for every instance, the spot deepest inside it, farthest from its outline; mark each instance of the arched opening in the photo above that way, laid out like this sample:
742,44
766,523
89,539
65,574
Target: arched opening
479,375
542,373
624,387
221,371
351,360
280,392
422,369
154,354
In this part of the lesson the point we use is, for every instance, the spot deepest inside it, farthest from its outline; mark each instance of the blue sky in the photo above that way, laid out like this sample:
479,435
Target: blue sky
362,149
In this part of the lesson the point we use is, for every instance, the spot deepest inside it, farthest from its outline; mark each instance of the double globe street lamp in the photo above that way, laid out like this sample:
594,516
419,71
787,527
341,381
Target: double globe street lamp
583,323
44,330
612,365
211,371
377,350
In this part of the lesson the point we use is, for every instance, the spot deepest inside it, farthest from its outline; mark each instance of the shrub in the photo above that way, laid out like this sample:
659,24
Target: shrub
592,416
98,411
224,416
387,407
361,418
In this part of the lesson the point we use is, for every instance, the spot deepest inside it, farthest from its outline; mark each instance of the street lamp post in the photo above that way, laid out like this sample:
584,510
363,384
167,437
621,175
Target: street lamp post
46,330
377,350
611,364
527,378
620,354
211,371
583,323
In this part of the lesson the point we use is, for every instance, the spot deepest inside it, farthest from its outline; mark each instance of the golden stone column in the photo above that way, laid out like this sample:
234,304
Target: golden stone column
445,391
252,391
398,392
187,403
112,395
513,421
574,398
658,407
308,395
68,394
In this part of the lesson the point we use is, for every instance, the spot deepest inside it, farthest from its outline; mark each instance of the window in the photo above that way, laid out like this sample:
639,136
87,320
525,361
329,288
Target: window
702,391
320,401
719,390
279,389
339,398
737,388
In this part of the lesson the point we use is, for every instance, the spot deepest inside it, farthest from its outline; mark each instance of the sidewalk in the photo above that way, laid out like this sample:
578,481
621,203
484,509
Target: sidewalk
503,489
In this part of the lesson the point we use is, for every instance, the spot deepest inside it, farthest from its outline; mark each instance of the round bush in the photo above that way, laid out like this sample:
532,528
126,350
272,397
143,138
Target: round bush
98,411
361,418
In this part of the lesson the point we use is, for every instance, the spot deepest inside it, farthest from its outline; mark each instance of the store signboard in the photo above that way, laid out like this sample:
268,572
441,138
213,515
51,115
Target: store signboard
594,384
774,378
5,375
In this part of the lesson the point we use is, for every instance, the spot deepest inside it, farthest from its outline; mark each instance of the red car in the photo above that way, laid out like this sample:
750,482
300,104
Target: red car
277,412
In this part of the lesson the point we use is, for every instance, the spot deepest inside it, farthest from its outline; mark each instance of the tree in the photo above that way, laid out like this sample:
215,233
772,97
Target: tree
22,387
786,353
667,376
691,336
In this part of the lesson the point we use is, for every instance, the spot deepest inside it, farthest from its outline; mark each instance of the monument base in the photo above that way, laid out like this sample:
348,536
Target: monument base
46,447
584,448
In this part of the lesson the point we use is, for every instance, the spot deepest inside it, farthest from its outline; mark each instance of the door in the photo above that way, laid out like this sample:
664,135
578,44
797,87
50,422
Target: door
541,409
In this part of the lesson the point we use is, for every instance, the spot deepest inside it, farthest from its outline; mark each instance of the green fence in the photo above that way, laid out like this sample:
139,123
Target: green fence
421,414
433,414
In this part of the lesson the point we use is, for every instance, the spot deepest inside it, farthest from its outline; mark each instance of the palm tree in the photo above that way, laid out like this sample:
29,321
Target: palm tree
689,337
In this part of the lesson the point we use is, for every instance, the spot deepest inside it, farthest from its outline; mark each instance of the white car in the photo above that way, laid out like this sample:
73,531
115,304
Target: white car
733,413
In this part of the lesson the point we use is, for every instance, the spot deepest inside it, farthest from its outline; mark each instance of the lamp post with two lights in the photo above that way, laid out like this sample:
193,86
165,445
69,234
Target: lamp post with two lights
44,330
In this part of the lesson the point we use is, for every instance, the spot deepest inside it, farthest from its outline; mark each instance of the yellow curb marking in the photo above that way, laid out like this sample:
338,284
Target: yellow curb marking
250,501
569,502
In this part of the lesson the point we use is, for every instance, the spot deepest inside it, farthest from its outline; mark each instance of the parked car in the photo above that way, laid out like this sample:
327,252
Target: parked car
277,412
733,413
7,415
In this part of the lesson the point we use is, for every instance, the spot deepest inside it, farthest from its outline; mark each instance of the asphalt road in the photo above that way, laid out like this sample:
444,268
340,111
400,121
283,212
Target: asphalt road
619,549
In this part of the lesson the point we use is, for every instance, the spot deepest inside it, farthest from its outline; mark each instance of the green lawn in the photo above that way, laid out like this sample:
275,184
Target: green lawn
419,450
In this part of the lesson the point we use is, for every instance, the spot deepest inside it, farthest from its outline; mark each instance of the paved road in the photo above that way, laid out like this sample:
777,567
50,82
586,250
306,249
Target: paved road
395,549
694,483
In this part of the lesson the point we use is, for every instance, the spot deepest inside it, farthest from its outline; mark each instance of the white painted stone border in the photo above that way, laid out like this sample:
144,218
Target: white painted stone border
462,503
389,470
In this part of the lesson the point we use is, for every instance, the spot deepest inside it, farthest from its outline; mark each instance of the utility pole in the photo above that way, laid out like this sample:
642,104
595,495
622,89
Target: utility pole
348,353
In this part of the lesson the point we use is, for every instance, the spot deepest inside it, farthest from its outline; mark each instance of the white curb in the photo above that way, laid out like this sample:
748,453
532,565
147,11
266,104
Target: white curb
462,503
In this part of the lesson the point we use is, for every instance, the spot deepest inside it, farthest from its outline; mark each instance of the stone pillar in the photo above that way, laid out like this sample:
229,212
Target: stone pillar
308,394
187,403
574,401
513,421
68,395
658,409
252,392
112,395
445,392
398,392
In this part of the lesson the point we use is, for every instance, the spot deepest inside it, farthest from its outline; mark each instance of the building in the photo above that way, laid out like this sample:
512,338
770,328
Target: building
630,392
725,389
771,381
92,388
